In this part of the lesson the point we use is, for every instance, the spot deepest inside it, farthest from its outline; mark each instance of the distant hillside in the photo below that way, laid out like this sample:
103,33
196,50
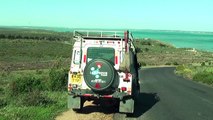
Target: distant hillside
35,34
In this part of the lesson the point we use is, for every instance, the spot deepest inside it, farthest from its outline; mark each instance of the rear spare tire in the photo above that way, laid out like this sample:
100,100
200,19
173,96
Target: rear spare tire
99,74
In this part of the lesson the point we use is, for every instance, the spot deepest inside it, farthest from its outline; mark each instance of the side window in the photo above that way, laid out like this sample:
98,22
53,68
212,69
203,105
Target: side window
76,58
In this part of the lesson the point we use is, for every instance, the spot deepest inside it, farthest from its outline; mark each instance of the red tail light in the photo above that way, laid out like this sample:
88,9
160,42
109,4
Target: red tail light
116,59
87,95
123,88
107,96
85,58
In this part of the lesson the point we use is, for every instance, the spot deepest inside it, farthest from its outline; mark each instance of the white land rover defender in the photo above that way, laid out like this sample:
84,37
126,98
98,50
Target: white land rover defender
103,68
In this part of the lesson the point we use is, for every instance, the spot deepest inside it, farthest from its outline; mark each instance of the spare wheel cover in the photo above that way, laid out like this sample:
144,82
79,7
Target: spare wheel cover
99,74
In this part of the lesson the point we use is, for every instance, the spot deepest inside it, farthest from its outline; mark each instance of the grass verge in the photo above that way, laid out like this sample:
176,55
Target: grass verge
29,95
203,74
39,112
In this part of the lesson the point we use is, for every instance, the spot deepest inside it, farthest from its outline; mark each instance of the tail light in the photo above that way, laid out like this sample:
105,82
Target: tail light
123,88
107,96
87,95
85,58
116,59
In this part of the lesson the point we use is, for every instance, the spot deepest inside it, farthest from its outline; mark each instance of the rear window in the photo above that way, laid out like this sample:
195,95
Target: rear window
98,52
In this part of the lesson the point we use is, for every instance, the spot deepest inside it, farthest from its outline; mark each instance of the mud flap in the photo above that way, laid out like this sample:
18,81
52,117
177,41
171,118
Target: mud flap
74,102
126,106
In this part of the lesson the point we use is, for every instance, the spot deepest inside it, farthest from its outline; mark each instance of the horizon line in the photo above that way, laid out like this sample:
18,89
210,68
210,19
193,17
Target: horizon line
55,27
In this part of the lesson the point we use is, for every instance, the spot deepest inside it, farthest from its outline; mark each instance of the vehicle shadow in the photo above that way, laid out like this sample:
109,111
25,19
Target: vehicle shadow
94,107
145,102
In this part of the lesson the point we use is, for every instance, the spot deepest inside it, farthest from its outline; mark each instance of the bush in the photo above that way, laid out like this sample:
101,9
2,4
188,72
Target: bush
175,63
57,79
168,63
138,50
180,68
184,71
25,84
143,64
203,64
146,49
205,77
3,103
26,90
187,73
146,42
35,98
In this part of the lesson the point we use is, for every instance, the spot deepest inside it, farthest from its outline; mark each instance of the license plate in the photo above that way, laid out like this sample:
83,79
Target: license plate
76,79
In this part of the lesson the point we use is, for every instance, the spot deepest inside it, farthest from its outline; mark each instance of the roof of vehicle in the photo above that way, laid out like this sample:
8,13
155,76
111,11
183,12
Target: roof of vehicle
100,34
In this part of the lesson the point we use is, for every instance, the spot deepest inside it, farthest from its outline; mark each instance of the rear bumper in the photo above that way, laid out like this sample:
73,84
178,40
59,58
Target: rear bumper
93,95
126,104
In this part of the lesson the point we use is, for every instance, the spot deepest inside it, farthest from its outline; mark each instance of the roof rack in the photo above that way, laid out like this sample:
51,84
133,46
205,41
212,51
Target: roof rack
126,36
94,34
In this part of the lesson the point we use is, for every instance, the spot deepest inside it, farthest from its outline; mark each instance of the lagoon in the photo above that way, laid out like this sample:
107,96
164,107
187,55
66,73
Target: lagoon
180,39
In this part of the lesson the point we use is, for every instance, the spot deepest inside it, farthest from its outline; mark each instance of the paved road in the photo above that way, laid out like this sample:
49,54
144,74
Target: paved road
165,96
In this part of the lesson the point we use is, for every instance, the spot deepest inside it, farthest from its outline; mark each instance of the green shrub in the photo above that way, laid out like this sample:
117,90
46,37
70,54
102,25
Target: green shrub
39,72
35,98
203,64
146,42
175,63
143,64
25,84
26,90
40,112
57,79
180,68
146,49
1,89
184,71
3,103
205,77
138,50
187,73
168,63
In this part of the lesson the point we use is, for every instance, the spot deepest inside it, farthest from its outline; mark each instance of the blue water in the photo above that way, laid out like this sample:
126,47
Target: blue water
180,39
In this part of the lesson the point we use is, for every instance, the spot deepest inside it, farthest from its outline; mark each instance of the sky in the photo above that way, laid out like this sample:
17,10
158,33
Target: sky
188,15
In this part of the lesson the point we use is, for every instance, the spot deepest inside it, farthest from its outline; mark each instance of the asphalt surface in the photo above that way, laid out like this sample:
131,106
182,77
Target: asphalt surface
165,96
